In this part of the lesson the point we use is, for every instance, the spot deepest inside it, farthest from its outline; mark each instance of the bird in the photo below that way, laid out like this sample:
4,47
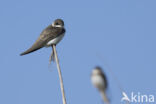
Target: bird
99,80
51,35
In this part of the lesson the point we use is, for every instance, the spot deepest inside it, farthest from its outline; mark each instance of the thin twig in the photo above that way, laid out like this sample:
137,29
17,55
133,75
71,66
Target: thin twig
60,75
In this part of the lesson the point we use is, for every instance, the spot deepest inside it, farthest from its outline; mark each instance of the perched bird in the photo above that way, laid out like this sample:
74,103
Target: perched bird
49,36
99,80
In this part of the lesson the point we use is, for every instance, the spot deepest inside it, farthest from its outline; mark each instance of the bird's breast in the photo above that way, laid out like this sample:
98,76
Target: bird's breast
98,81
55,40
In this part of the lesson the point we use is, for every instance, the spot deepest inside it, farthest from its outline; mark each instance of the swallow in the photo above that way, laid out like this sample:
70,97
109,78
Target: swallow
99,80
51,35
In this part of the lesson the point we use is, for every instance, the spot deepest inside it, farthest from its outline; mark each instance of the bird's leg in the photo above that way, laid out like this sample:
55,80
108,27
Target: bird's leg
51,56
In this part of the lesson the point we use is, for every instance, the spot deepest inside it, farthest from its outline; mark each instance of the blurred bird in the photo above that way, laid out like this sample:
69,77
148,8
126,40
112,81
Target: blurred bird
99,80
49,36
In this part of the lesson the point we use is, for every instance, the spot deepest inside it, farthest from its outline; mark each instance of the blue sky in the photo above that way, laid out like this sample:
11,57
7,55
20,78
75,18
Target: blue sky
122,32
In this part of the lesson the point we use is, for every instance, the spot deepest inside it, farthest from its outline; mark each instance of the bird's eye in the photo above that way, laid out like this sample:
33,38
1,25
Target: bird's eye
57,23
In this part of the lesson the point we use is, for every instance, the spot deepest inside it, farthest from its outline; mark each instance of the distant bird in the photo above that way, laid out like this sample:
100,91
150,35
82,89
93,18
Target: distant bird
49,36
99,80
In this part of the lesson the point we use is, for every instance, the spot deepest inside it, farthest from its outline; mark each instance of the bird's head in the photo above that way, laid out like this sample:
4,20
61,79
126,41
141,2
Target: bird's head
97,70
58,23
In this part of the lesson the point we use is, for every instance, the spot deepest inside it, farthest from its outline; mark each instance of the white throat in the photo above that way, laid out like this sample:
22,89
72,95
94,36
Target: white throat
56,25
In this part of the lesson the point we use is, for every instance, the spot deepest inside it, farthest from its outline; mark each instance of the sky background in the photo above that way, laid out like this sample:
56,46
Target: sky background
122,32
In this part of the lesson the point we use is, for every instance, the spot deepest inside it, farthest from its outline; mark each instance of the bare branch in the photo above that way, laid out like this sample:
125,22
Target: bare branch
60,75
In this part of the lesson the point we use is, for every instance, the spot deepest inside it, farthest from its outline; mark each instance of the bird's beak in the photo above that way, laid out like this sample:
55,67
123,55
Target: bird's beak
52,24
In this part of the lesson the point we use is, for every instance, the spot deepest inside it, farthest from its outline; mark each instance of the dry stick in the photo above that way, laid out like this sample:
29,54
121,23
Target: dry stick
60,75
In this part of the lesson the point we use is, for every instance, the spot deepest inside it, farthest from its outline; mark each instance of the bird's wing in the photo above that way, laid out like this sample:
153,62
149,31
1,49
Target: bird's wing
50,33
105,80
47,34
37,45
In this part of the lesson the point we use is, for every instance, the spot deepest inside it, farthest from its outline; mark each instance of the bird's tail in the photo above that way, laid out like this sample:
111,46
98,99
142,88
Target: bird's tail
32,49
104,97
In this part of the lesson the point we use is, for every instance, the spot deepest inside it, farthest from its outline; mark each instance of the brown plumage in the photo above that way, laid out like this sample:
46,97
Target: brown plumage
47,34
99,80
